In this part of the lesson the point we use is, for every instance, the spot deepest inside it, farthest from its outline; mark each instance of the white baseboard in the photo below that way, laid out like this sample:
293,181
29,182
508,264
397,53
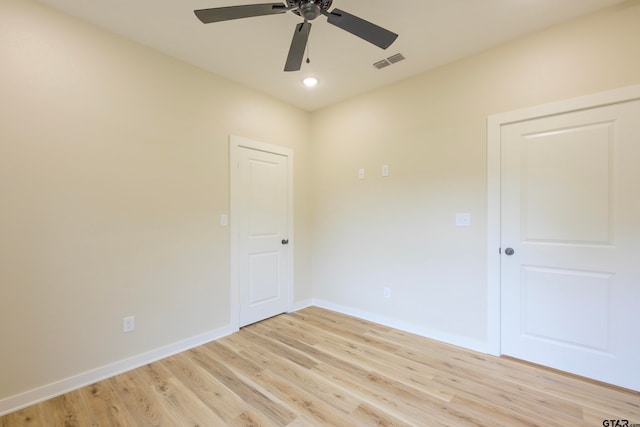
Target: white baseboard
459,341
40,394
299,305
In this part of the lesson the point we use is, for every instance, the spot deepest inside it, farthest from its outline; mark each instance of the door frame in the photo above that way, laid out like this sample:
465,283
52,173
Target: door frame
235,144
494,194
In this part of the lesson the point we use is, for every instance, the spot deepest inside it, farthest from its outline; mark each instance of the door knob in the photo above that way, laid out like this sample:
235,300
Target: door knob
285,241
509,251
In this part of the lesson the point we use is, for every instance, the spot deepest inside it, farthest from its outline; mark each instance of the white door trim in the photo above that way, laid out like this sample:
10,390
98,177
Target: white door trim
235,143
494,125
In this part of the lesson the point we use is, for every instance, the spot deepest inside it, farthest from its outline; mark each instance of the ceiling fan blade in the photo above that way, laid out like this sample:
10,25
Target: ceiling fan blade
218,14
298,45
364,29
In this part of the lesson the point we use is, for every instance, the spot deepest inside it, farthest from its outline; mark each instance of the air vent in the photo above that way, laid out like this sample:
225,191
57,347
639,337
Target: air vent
381,64
396,58
389,61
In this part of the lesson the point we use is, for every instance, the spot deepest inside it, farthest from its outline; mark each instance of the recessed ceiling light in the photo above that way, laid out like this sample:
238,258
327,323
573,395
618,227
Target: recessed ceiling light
310,81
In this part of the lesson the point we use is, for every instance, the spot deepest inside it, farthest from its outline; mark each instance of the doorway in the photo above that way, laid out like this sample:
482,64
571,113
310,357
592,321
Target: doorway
261,230
565,235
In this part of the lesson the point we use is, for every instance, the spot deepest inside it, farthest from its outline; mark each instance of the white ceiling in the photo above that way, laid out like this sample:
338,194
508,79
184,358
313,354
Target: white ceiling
252,51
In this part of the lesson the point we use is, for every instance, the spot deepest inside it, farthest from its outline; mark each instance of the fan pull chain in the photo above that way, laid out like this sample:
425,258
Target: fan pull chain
308,60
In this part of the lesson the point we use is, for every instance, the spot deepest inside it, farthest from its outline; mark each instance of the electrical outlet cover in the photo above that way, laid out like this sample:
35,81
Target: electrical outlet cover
129,324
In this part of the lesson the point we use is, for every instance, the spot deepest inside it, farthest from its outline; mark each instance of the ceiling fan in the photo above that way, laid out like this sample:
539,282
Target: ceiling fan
309,10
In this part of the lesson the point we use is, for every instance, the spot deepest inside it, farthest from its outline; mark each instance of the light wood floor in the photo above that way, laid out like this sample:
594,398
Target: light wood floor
316,367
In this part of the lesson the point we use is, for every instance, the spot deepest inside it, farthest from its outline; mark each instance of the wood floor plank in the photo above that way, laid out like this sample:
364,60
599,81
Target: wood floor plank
219,351
401,369
510,406
28,417
278,348
313,352
354,331
213,393
315,384
316,367
142,404
386,400
295,328
252,396
251,418
301,400
107,407
177,400
463,379
367,415
66,410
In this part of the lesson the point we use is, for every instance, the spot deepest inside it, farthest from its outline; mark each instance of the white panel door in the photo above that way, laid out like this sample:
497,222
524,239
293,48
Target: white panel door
262,226
570,269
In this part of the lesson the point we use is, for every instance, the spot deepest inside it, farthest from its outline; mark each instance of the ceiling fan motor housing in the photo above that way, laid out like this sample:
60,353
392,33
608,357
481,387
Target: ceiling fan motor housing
309,9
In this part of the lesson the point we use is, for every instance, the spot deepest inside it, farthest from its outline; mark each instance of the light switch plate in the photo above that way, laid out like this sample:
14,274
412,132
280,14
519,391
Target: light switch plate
463,220
361,173
128,324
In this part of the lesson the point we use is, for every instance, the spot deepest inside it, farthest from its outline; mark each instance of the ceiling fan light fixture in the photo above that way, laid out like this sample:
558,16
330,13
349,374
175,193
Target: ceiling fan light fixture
310,82
309,10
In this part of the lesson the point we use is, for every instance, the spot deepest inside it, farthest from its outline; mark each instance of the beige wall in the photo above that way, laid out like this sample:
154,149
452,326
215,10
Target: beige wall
113,172
399,231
